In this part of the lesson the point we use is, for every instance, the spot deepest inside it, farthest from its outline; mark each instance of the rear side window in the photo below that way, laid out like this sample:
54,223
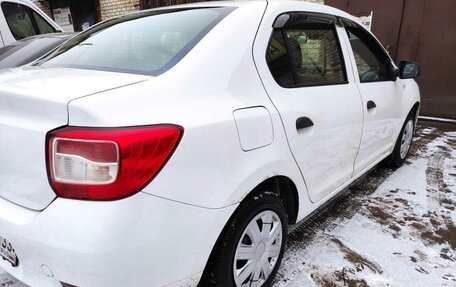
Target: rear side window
313,50
148,43
279,60
373,64
24,22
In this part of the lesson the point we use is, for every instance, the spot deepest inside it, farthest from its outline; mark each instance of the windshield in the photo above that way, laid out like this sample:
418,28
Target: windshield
143,43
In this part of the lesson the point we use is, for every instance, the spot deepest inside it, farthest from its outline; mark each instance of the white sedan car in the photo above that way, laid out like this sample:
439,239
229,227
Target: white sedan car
178,146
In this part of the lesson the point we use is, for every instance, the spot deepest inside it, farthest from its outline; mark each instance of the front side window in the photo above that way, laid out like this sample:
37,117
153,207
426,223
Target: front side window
148,43
313,52
371,60
19,20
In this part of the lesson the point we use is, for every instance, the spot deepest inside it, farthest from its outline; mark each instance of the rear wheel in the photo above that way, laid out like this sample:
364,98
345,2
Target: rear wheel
251,249
404,142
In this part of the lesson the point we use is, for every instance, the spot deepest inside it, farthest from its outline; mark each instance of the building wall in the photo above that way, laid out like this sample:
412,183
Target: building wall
112,8
44,5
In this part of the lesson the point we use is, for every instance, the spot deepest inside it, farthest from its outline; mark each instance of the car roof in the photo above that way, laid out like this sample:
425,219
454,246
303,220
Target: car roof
303,5
20,1
313,7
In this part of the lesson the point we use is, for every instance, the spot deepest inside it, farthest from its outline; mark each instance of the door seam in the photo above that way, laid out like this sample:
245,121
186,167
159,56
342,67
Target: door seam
355,75
273,104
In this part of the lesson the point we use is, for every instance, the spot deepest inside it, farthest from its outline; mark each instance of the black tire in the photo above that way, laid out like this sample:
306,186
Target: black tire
220,268
395,159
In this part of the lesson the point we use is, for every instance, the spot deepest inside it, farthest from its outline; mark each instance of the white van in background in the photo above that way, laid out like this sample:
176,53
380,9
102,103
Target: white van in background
21,19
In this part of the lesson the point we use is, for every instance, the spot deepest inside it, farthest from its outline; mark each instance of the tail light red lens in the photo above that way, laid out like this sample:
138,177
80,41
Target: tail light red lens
108,163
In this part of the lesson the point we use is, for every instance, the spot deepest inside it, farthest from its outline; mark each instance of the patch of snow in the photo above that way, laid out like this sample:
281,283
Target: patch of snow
7,280
401,234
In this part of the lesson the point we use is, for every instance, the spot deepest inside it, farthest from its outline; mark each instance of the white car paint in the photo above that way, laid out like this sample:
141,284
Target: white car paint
32,103
165,234
6,37
328,149
254,127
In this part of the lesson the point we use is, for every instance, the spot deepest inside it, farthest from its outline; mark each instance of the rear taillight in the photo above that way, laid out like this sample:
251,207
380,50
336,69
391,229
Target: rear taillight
107,163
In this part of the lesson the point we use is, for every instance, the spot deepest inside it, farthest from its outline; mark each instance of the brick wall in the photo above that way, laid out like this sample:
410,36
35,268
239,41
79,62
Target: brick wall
112,8
44,5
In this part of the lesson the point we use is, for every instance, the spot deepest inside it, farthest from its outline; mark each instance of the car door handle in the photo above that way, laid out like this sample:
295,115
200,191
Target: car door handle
371,105
303,123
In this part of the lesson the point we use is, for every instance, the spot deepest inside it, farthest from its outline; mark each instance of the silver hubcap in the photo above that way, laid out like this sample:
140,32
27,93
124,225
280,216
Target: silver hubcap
258,250
406,141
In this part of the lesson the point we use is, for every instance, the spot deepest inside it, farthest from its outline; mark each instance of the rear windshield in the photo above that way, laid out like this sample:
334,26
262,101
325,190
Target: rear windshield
143,43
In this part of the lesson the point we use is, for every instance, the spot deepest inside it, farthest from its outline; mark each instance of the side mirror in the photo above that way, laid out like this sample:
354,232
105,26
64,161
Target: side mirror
409,70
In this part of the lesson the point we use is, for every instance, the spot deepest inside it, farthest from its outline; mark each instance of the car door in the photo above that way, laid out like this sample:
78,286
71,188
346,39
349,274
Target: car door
312,86
376,77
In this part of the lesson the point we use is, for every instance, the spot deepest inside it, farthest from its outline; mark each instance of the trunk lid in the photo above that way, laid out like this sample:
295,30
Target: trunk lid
34,101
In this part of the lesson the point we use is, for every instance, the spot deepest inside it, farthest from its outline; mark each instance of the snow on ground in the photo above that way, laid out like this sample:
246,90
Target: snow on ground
7,281
392,228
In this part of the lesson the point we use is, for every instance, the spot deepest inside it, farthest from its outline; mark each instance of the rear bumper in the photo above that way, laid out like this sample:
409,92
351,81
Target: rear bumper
139,241
29,277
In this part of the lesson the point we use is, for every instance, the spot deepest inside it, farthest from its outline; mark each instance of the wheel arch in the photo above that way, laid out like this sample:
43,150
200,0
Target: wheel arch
412,108
285,189
416,110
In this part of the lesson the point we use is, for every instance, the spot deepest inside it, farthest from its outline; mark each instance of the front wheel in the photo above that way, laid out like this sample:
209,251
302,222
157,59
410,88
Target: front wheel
404,142
251,248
